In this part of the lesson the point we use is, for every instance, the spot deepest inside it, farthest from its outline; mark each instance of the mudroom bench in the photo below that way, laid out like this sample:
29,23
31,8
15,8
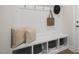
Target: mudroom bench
50,44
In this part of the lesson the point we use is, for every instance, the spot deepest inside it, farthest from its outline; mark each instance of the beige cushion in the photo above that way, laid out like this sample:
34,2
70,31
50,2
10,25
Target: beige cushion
22,35
30,34
18,37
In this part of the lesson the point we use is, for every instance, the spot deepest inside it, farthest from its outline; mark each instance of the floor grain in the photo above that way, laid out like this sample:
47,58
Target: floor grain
67,51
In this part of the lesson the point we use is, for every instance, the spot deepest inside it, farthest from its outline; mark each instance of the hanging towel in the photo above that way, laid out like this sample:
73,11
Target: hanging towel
18,37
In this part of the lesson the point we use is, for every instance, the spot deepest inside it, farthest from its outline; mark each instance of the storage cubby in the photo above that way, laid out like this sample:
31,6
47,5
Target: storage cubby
37,48
63,41
52,44
40,48
46,47
27,50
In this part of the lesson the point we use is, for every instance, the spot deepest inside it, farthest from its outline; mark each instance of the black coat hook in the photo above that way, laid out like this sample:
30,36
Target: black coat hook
56,9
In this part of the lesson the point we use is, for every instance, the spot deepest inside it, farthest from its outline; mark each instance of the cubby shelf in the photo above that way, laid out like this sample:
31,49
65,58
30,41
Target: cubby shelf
45,46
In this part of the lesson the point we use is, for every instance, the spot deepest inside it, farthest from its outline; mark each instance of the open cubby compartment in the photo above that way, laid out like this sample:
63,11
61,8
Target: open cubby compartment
27,50
52,45
37,49
63,41
44,47
40,48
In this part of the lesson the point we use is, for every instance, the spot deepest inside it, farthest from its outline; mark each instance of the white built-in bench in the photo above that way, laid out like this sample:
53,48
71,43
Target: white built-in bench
60,40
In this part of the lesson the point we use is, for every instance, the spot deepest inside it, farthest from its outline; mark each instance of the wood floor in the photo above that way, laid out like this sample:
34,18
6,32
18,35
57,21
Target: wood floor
67,51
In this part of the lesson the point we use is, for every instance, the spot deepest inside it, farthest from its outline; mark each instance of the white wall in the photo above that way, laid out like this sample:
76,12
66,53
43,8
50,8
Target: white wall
38,19
4,31
6,17
12,16
69,24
